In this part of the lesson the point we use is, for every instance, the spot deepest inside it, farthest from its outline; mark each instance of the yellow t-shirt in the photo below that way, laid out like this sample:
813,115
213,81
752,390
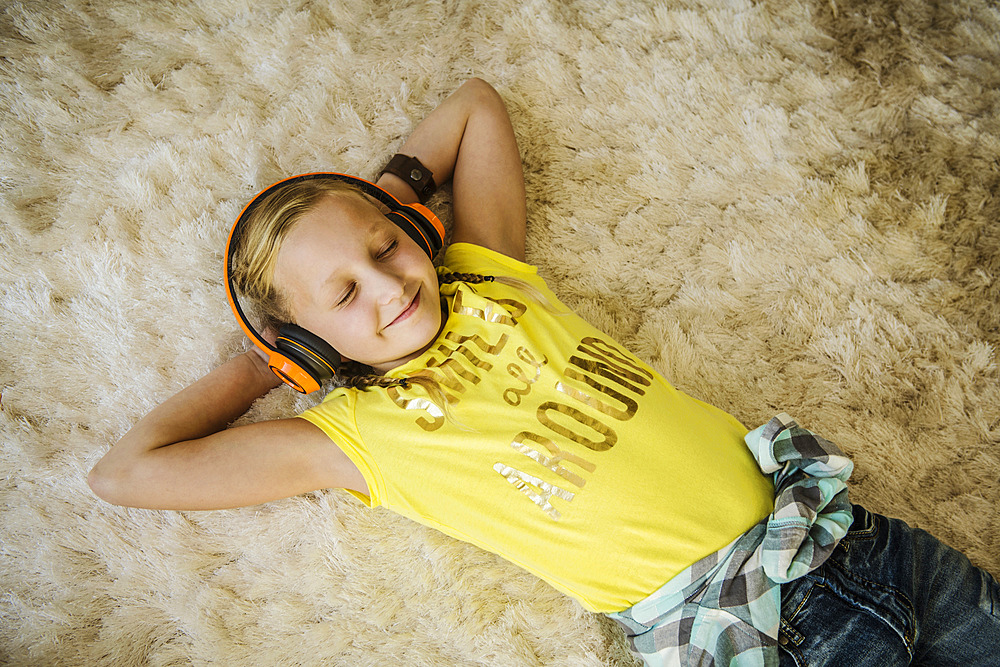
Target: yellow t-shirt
561,452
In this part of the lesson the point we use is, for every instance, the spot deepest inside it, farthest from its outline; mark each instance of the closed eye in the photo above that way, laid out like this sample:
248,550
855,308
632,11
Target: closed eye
351,289
388,250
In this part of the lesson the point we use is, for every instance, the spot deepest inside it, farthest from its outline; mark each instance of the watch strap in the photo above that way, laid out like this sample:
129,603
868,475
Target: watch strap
414,173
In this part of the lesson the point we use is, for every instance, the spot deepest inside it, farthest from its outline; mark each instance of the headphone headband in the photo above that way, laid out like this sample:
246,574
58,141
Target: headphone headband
302,359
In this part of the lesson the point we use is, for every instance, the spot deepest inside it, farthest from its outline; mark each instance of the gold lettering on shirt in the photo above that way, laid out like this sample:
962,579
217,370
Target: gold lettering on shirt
518,307
448,368
452,369
610,354
424,404
479,342
452,373
491,314
582,419
467,352
598,360
538,490
513,395
553,462
626,412
611,371
525,355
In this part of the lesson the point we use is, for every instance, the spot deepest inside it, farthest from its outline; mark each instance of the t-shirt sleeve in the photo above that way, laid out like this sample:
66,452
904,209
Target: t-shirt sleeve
335,416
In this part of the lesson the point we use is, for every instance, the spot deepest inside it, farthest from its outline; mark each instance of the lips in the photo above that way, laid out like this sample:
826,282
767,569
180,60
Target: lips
409,310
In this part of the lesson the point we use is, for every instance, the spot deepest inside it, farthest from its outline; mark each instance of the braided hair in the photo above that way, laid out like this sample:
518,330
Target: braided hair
471,278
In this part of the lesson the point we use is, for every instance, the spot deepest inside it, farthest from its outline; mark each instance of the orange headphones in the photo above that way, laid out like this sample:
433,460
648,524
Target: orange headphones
301,359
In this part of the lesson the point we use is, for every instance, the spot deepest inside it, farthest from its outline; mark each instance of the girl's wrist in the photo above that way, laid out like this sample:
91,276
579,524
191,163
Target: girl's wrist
397,187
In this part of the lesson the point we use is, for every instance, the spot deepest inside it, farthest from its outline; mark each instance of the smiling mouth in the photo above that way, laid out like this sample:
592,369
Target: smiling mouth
409,310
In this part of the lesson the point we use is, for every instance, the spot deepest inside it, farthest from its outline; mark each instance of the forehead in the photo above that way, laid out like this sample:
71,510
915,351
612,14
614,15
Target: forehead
339,229
347,218
345,208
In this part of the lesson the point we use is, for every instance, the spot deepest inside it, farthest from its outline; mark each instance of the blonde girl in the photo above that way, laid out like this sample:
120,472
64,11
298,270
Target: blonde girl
474,402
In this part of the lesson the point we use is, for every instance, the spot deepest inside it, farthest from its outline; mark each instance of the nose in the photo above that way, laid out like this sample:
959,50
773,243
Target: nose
389,285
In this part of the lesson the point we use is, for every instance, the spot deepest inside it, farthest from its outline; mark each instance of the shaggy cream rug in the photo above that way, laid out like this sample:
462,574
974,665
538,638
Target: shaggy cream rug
783,206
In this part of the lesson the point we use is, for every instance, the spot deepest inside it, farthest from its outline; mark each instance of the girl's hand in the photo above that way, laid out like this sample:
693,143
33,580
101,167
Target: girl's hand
269,335
261,360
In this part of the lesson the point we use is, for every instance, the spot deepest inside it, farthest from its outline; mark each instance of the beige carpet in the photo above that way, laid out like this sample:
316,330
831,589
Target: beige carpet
783,206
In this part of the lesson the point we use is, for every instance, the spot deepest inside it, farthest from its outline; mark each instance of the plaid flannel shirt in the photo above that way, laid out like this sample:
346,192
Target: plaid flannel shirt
726,608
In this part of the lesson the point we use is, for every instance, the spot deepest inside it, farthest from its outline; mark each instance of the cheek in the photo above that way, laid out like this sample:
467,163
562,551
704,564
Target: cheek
341,331
348,330
415,259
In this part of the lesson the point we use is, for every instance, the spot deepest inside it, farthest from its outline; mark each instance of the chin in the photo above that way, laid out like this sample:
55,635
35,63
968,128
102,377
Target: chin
415,353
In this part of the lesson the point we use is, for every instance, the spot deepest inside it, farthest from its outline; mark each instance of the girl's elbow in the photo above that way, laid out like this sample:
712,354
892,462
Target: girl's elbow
484,93
102,483
479,85
110,482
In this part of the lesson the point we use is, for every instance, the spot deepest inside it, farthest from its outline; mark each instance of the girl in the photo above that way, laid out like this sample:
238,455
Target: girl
474,402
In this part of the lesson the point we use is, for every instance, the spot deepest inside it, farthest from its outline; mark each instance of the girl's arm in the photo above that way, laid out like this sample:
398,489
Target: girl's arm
469,139
182,456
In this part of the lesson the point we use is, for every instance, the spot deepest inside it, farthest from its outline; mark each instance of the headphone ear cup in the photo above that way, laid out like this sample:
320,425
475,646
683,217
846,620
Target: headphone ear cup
310,352
421,225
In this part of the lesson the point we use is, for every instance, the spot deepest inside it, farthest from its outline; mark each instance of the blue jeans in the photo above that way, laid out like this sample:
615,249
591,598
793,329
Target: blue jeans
891,595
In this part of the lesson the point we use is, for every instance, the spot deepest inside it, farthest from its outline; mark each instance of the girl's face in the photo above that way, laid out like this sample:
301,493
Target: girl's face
355,279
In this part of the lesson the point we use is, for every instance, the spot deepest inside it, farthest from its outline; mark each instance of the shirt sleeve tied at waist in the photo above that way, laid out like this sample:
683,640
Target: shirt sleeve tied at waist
811,509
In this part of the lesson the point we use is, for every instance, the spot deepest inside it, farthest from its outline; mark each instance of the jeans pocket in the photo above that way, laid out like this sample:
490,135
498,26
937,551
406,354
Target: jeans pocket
831,626
865,527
